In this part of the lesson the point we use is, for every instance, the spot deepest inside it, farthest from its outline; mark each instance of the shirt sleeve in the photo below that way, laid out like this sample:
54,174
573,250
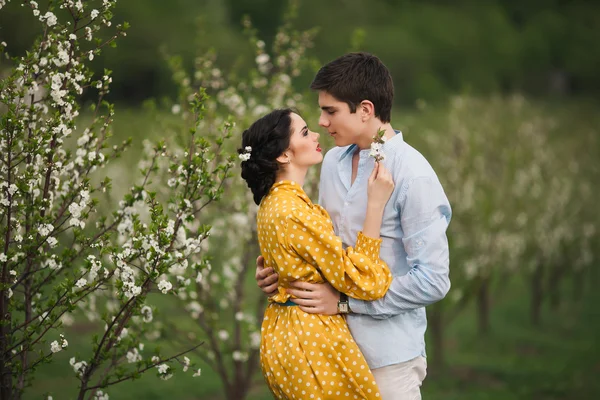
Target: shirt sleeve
425,215
358,271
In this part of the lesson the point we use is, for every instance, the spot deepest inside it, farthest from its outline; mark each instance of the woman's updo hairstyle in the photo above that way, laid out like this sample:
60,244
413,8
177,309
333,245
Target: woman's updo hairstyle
268,138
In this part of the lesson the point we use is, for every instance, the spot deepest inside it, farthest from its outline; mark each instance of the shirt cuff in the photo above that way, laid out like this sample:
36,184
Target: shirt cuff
358,306
368,246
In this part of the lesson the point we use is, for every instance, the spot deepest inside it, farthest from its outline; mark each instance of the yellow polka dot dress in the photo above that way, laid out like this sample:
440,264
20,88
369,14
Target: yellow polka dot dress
308,356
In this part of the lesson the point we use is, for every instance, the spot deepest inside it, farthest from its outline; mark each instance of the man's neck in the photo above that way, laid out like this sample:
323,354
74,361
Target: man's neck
365,141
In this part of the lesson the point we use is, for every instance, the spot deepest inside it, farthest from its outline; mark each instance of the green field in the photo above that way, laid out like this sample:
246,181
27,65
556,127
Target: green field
559,360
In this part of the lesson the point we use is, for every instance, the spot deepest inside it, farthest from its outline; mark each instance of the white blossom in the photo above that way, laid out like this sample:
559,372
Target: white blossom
63,343
100,395
223,334
165,286
163,369
240,356
262,59
146,313
133,356
45,229
50,18
255,340
55,347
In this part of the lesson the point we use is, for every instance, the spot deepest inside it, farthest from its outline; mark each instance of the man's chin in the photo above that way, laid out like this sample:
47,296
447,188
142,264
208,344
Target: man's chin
341,142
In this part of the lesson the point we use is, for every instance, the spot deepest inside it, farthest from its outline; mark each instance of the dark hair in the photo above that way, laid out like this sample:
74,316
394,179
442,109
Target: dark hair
355,77
268,137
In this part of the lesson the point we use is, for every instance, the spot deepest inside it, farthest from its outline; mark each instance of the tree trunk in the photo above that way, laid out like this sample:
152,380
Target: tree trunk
594,276
436,324
237,391
5,367
578,286
483,306
554,287
537,292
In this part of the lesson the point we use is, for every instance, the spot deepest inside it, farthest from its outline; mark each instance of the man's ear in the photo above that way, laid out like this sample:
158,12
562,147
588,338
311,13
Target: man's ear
367,110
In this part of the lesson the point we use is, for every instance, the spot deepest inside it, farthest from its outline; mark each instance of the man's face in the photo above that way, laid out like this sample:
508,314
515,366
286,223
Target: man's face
336,117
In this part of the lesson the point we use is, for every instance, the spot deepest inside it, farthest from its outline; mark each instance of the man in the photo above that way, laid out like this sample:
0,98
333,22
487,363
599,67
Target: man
355,96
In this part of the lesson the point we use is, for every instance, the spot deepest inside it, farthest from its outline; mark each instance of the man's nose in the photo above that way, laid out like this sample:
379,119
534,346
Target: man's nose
324,122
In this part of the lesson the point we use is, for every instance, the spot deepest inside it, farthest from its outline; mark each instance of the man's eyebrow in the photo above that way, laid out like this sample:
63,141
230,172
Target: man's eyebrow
328,108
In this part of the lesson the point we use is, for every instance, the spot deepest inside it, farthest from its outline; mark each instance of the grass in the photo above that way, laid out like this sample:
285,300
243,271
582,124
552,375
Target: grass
558,360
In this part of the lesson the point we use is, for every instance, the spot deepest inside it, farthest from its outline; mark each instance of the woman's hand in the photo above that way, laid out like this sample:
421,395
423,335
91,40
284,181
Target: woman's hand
381,186
266,278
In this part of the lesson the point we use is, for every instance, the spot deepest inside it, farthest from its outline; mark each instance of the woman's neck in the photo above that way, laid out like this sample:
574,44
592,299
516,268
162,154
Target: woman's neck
292,174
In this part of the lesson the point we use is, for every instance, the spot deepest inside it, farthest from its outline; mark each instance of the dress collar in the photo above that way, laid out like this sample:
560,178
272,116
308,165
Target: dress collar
291,187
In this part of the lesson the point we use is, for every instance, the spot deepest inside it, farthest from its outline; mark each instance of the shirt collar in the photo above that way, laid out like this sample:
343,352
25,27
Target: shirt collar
352,148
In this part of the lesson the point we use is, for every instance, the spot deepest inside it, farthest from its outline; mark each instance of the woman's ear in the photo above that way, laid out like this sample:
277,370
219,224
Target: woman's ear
283,159
367,110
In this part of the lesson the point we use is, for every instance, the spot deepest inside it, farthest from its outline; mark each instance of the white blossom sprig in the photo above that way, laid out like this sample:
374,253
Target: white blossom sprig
377,146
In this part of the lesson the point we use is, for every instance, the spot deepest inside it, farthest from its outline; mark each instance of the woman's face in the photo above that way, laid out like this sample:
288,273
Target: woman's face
304,148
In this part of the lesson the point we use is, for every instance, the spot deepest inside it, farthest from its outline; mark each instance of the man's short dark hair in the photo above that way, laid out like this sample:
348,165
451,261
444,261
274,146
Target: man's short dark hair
355,77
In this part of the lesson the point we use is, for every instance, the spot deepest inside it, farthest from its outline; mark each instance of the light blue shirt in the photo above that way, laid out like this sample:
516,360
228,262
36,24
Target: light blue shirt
415,247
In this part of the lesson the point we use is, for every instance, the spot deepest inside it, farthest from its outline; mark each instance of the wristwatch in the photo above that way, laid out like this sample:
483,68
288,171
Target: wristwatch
343,305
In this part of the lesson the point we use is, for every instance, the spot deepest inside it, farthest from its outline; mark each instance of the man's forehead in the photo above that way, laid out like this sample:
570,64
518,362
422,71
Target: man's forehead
328,101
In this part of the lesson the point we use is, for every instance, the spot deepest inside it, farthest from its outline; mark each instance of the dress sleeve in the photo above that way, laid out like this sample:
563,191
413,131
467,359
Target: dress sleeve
358,271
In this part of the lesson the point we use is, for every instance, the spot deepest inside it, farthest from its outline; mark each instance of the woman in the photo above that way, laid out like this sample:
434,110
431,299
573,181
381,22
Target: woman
306,356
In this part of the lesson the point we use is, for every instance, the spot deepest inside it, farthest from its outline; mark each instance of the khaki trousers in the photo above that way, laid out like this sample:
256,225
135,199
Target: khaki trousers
401,381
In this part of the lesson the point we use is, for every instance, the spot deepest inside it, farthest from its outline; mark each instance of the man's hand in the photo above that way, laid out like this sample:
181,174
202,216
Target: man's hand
266,278
315,298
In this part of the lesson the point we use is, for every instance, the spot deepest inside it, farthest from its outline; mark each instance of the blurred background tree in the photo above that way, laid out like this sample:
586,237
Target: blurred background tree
433,48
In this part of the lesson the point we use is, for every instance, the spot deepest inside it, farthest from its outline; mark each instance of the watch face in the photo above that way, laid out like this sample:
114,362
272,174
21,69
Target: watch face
343,307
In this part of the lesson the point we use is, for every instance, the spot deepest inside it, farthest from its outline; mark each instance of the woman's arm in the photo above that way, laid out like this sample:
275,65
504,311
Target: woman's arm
358,271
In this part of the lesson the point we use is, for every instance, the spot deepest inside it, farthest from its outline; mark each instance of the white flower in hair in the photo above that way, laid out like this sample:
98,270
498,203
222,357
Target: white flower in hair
245,156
